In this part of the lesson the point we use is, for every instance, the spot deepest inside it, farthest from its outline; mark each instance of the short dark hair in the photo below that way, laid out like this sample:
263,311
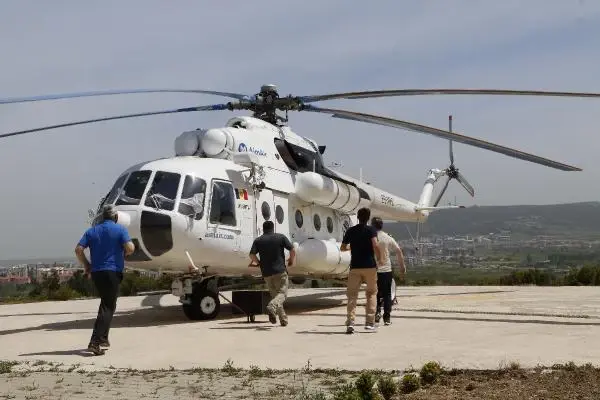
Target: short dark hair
377,223
363,215
268,226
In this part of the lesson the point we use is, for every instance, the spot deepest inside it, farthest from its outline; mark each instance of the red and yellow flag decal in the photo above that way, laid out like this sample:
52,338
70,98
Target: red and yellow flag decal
241,194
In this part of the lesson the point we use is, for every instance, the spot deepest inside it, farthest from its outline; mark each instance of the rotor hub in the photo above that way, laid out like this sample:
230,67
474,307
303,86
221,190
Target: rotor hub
452,172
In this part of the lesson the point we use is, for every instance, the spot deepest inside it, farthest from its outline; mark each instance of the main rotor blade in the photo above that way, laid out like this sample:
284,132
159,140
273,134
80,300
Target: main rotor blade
375,119
10,100
418,92
214,107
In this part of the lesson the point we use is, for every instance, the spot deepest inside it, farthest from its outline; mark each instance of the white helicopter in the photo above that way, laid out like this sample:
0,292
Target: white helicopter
195,214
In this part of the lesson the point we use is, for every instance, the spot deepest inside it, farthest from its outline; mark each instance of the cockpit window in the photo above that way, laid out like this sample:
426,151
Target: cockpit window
192,195
163,191
114,192
134,188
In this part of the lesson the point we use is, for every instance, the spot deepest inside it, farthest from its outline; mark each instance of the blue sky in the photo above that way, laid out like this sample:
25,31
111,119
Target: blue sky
50,179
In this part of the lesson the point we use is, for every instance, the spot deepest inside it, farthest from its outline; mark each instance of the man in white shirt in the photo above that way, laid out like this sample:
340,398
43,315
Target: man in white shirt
384,270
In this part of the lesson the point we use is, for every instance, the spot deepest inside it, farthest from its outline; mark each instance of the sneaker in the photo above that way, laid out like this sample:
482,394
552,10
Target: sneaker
369,327
272,317
104,343
283,322
95,348
377,317
387,322
350,329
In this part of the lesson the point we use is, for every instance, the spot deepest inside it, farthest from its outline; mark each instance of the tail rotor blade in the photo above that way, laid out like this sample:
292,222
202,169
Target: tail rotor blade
463,181
437,201
214,107
450,130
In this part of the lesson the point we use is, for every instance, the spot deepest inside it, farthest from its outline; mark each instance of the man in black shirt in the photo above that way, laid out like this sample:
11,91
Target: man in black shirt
270,247
362,240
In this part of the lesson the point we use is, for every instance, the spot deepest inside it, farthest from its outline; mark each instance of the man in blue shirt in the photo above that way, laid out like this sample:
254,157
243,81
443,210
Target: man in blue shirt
108,243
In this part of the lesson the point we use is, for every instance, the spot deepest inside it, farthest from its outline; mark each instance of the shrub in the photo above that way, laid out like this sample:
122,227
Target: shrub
410,383
63,293
347,392
364,383
430,372
387,387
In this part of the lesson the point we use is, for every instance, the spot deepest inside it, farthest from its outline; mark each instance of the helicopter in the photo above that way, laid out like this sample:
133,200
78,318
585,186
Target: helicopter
196,213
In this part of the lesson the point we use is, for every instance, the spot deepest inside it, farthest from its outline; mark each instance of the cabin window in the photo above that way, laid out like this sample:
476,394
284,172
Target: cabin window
299,218
317,222
279,214
194,190
163,191
265,210
329,225
131,195
222,206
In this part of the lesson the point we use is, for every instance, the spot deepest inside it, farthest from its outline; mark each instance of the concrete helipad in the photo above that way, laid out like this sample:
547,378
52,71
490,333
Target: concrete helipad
464,327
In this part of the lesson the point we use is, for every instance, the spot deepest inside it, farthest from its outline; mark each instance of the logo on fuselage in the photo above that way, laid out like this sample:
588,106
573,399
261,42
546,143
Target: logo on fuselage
259,152
218,235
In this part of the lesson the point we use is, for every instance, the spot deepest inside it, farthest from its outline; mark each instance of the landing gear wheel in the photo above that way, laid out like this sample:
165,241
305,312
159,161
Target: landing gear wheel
394,298
205,305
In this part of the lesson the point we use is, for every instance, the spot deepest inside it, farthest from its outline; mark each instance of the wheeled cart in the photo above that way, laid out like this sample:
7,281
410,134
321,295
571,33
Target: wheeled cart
250,302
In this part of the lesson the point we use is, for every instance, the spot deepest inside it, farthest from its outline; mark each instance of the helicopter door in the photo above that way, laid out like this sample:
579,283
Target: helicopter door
282,224
223,221
264,209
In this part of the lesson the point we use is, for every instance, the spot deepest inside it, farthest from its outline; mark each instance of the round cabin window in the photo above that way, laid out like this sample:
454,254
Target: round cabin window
266,210
279,214
317,222
329,225
299,218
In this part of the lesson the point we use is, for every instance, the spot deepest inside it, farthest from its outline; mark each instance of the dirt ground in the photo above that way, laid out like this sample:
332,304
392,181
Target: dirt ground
42,380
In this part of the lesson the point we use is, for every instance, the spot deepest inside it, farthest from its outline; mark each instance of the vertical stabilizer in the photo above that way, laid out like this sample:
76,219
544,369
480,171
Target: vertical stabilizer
427,193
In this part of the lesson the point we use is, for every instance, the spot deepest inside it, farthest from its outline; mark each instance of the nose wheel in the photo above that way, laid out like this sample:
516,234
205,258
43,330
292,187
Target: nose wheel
204,304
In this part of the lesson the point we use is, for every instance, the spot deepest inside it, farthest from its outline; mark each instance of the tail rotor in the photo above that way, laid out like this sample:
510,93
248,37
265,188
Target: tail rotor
453,173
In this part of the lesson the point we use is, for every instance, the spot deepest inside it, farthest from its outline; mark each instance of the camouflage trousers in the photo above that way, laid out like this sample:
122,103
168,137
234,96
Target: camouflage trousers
278,288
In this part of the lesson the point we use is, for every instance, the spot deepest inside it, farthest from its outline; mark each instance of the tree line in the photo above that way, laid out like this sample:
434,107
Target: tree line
79,286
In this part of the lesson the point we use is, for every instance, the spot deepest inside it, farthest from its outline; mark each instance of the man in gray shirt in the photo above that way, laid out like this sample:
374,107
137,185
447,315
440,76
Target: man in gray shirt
270,247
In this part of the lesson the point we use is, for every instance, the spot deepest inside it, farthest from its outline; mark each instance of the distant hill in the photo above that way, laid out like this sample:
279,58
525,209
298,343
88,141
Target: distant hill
566,220
572,219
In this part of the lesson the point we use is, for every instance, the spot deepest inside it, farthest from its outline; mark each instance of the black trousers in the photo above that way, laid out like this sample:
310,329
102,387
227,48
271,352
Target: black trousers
107,283
384,293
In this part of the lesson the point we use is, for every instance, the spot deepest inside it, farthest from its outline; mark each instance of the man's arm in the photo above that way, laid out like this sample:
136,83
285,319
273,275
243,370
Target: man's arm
345,242
288,245
79,252
375,244
128,246
400,256
253,251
